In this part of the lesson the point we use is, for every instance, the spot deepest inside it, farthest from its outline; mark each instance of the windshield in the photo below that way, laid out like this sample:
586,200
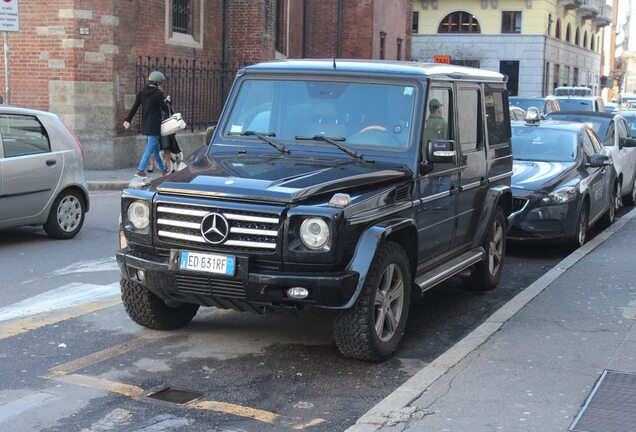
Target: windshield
539,144
575,104
599,124
364,114
631,121
527,103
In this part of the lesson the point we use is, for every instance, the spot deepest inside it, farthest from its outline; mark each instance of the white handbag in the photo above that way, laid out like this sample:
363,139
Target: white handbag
172,124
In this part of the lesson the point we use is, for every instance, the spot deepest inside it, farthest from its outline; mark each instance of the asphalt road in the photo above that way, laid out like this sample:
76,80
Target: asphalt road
88,367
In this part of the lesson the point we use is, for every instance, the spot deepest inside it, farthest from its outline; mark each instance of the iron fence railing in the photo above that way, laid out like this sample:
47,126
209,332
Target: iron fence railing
198,88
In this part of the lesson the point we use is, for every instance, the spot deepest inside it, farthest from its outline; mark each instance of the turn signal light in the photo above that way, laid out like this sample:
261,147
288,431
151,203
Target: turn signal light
297,293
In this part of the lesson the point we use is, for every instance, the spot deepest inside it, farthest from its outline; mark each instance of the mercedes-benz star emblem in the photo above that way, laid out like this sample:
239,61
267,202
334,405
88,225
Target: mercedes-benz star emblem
214,228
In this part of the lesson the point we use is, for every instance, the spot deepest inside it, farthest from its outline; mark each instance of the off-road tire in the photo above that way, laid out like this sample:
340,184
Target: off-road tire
485,275
582,222
615,202
150,311
66,216
354,329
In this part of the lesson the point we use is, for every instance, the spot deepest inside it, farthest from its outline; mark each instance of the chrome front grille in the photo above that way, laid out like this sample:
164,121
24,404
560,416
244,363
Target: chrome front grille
248,231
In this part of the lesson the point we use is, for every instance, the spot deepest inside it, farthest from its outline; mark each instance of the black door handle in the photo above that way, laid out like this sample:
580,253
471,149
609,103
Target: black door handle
51,162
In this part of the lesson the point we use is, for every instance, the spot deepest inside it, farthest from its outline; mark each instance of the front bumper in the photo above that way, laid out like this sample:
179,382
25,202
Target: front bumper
544,223
244,291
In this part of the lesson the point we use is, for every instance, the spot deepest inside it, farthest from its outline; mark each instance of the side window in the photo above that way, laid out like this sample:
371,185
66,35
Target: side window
470,130
438,122
22,135
496,121
608,140
588,147
596,143
623,131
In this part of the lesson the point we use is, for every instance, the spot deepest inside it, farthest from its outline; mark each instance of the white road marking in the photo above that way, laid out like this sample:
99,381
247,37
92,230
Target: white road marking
97,265
65,296
17,407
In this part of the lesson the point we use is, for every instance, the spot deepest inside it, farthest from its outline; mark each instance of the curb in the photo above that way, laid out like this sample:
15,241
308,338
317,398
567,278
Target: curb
95,185
399,401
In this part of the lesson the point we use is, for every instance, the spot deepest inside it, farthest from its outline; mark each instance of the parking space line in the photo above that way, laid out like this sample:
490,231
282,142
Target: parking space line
131,391
98,356
237,410
13,328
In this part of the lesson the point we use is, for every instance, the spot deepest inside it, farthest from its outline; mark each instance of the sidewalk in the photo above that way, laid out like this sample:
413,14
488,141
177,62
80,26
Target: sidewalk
532,365
115,179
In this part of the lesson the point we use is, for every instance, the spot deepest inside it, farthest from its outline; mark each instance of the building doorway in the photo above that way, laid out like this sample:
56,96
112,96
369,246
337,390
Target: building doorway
510,68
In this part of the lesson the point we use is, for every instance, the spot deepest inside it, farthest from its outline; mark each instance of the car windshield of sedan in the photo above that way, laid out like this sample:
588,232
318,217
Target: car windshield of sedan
546,145
599,124
524,104
357,114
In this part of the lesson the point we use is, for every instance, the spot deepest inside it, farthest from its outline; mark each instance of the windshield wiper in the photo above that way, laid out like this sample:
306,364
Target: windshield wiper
333,141
265,137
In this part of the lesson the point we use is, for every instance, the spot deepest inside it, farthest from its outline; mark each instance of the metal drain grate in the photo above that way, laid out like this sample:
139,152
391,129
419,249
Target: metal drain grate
611,407
174,395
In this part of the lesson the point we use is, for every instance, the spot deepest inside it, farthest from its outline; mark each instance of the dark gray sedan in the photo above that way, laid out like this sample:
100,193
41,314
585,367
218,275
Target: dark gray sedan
41,173
563,182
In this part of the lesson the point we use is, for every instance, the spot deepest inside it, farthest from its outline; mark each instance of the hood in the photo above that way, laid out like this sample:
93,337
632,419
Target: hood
148,90
536,175
276,178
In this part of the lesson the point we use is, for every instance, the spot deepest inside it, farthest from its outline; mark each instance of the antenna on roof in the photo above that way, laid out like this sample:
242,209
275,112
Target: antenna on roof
334,63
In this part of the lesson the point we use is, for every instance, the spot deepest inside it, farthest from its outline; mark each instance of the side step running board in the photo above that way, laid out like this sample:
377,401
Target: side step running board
451,268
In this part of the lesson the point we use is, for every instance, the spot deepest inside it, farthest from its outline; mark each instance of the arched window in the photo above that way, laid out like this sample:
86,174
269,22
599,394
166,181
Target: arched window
598,43
459,22
557,32
585,39
577,37
568,33
592,43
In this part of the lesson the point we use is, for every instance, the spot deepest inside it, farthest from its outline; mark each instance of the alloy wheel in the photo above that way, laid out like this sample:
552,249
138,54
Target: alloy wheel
582,228
495,247
389,302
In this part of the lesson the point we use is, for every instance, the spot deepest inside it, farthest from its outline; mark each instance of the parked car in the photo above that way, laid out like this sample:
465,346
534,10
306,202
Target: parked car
573,91
615,135
517,113
545,105
41,173
338,185
581,103
611,107
628,101
563,182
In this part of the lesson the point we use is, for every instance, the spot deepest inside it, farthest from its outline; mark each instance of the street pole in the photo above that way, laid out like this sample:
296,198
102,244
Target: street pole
6,67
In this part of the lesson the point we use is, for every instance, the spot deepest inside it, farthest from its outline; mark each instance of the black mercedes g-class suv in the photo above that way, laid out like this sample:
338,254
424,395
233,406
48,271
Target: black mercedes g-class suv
333,184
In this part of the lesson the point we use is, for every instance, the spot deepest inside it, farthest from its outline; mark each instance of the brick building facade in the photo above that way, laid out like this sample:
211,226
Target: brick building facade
84,59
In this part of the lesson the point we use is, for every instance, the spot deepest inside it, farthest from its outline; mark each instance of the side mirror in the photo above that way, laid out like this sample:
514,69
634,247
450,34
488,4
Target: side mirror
627,142
598,160
208,134
441,151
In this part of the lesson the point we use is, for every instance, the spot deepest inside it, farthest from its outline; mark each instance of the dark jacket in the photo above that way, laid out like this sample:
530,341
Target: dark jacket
152,101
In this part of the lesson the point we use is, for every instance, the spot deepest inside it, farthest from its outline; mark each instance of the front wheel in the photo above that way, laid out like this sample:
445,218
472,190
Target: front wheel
615,202
372,329
486,274
581,228
148,310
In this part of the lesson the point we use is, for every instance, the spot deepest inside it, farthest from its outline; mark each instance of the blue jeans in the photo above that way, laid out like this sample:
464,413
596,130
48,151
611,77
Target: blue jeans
152,148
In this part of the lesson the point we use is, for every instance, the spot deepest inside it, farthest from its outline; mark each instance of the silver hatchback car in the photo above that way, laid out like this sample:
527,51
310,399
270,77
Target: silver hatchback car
41,173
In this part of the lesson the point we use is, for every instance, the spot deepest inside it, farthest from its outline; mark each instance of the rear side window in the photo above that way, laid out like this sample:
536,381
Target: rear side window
470,120
496,121
23,135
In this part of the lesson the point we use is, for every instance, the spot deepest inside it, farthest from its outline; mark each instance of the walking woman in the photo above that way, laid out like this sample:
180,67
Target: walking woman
151,99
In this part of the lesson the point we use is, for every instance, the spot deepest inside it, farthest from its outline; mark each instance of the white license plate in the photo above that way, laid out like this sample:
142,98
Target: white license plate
221,264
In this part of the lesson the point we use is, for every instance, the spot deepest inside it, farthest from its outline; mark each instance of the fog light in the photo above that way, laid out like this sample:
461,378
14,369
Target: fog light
141,275
297,293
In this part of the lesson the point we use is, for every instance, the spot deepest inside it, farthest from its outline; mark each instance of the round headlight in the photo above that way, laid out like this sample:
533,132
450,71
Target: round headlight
314,233
139,214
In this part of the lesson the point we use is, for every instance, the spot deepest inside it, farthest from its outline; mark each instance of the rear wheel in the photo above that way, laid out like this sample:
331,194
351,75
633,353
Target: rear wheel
148,310
486,274
372,329
66,216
